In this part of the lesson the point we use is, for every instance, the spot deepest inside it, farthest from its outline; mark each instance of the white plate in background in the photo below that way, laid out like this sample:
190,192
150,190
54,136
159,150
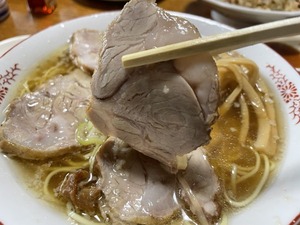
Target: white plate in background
249,15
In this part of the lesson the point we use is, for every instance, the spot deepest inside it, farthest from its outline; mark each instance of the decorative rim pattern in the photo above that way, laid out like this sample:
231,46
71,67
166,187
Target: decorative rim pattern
287,90
7,79
295,221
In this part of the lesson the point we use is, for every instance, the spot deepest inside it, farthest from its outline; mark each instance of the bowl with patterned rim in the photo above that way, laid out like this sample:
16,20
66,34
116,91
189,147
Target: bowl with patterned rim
279,203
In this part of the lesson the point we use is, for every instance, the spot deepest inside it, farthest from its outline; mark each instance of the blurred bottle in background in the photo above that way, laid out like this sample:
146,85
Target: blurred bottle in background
4,10
41,7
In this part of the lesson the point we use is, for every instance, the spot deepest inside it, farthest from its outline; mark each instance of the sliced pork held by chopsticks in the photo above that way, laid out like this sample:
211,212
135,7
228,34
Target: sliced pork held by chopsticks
164,110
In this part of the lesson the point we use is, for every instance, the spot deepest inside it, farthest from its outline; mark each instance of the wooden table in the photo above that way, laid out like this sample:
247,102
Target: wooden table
21,21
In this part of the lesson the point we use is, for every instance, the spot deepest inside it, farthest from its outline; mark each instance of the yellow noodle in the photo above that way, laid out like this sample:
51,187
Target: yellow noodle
73,164
244,168
224,220
253,171
61,67
92,158
87,134
244,121
80,219
55,171
245,63
263,121
233,178
272,165
258,188
270,109
229,101
238,72
199,211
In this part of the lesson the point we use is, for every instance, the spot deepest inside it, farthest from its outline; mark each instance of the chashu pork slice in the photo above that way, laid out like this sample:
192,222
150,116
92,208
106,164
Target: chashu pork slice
42,124
85,45
163,110
199,187
131,188
136,188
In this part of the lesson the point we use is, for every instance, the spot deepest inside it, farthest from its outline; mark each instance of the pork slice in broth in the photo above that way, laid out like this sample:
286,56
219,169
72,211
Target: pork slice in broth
136,188
79,189
131,188
199,187
84,48
42,124
163,110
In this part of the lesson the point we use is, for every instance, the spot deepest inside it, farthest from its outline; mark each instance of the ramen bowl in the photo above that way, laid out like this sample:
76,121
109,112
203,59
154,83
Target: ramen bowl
278,203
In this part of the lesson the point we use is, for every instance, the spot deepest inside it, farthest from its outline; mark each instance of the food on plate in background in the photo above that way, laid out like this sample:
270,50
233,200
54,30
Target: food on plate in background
281,5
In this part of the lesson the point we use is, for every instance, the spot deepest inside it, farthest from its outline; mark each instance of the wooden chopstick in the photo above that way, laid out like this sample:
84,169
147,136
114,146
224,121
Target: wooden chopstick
217,43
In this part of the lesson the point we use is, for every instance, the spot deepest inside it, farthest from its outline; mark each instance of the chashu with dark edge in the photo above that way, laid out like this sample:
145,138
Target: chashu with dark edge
42,124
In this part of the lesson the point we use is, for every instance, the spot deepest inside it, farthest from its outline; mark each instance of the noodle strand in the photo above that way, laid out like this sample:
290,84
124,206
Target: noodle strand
245,120
259,187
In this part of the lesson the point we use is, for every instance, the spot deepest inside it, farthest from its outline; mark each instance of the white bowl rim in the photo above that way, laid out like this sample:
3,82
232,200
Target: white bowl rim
210,22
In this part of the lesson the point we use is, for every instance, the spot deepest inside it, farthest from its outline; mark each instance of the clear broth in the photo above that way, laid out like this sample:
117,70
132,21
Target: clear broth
33,173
